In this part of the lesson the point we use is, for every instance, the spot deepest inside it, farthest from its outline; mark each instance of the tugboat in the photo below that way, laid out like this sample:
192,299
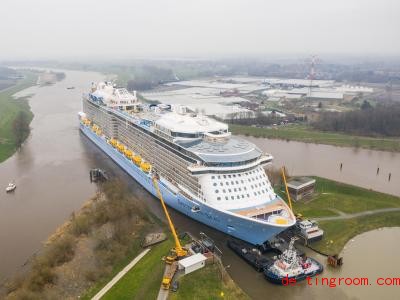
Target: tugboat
11,187
290,265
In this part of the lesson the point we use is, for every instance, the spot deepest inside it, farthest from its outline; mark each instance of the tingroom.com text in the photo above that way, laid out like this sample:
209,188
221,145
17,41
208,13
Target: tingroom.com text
333,282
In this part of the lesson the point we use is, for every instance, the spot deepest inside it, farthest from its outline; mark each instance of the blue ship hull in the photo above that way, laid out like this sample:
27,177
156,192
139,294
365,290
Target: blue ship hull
248,230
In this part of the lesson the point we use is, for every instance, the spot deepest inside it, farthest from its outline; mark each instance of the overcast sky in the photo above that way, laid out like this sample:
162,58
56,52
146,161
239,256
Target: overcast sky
43,29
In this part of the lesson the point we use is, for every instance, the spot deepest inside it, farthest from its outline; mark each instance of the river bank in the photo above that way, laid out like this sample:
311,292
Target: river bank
15,112
346,211
10,108
96,243
89,248
306,134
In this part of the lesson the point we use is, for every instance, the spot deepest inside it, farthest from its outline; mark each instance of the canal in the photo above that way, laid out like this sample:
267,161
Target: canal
52,176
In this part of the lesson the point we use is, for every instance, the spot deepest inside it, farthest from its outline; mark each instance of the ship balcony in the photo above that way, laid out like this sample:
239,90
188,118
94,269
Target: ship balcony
278,214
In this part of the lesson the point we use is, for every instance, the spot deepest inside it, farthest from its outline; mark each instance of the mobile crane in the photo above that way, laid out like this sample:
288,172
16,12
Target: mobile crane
176,253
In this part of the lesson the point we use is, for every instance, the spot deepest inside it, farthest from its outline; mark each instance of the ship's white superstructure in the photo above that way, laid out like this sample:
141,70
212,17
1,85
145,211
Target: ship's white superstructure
309,230
212,176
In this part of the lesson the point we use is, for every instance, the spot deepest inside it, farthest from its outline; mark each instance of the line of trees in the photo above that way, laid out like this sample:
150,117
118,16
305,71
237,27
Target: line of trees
148,76
20,128
382,120
248,118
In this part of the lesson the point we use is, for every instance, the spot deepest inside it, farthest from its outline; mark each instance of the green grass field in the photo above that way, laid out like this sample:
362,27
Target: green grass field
206,284
9,108
339,232
332,196
144,279
138,280
306,134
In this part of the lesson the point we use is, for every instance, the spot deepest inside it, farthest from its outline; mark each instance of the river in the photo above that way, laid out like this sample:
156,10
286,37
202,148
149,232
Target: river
359,166
52,175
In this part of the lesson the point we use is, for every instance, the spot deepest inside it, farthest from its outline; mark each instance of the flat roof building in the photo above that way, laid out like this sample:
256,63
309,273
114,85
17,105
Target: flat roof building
301,187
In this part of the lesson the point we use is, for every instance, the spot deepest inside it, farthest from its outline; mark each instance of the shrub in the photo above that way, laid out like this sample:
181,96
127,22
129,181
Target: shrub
92,275
61,250
80,225
40,277
24,294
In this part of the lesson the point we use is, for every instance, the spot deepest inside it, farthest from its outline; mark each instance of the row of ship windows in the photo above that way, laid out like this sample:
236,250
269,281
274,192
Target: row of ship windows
242,196
235,190
240,189
238,175
237,182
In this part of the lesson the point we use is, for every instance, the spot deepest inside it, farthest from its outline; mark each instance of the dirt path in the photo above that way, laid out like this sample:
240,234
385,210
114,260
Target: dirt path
356,215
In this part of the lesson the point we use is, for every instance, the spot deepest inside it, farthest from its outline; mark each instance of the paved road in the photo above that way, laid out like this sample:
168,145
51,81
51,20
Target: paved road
162,294
360,214
117,277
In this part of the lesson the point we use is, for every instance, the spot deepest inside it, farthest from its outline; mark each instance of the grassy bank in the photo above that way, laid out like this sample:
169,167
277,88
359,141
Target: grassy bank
135,249
306,134
9,109
88,250
339,232
333,198
143,280
207,283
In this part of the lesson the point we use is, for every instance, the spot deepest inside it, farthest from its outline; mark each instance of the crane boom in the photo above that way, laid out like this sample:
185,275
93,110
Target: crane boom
287,191
179,250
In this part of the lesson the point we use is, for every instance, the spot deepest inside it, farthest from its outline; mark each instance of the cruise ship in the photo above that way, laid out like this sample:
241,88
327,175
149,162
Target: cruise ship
202,170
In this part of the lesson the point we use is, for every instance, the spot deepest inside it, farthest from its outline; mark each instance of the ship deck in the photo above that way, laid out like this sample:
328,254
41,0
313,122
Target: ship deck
266,211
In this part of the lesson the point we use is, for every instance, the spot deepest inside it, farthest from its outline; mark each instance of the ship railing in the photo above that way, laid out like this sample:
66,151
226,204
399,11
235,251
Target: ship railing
269,216
197,166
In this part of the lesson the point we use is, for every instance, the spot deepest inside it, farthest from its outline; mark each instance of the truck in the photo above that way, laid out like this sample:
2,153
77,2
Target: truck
170,270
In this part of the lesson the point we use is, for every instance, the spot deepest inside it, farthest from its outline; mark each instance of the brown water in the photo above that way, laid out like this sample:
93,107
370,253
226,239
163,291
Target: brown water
370,255
359,166
51,172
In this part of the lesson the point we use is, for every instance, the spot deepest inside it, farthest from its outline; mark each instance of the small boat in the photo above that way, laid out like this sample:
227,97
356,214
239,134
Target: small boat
11,187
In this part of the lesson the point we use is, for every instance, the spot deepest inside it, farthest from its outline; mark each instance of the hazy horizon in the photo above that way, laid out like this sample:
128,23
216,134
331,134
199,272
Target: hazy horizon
119,29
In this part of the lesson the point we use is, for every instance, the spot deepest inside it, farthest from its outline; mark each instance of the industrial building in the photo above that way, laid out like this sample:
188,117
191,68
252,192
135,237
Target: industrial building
301,187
